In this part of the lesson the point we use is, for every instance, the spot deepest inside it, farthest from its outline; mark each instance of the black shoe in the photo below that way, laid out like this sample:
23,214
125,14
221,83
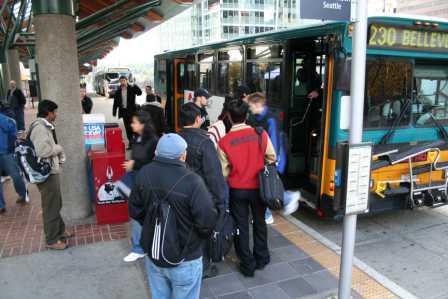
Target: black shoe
210,272
247,273
261,266
2,211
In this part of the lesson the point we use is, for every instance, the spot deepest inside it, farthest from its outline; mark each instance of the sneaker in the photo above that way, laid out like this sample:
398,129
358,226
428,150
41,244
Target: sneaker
5,178
132,257
27,197
292,197
59,245
270,220
21,201
68,235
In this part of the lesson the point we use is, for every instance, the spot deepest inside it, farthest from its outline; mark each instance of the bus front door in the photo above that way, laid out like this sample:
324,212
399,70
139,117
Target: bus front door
306,122
178,92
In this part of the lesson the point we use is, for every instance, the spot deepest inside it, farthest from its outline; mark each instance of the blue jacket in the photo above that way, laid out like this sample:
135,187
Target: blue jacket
269,122
8,133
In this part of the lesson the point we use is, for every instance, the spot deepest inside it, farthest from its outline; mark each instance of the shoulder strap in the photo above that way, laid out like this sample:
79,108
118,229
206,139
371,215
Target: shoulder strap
33,125
259,131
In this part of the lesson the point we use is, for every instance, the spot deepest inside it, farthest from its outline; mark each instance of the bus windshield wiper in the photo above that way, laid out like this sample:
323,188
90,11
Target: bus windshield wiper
385,139
442,130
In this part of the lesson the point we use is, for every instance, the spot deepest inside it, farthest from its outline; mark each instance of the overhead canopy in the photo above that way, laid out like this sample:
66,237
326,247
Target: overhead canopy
99,24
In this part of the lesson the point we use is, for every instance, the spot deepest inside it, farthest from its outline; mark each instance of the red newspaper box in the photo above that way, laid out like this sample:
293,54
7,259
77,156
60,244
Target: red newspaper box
114,140
111,206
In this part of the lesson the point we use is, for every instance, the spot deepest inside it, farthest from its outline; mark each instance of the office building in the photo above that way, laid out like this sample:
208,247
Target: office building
433,8
214,20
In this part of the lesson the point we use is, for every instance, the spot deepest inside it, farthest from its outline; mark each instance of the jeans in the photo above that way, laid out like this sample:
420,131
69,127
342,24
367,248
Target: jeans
125,185
9,166
20,118
241,201
181,282
136,230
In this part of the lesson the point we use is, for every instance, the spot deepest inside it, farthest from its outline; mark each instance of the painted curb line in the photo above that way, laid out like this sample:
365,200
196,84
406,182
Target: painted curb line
380,278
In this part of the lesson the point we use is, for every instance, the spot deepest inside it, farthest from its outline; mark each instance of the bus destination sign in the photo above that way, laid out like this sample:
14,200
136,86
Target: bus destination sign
402,38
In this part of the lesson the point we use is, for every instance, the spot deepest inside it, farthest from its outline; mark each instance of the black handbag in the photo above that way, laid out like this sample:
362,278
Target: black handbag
221,240
271,186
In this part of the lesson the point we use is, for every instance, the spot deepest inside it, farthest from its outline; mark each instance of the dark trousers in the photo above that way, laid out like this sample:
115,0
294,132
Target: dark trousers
127,120
241,201
20,118
50,192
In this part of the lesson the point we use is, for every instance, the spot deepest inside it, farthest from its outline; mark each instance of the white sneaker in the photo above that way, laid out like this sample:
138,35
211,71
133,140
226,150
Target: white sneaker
5,178
270,220
27,197
293,198
132,257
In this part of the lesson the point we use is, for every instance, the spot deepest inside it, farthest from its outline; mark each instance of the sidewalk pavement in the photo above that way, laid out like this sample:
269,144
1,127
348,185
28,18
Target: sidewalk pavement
301,265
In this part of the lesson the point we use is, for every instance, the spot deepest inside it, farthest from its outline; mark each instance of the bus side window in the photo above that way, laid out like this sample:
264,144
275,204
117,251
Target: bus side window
265,77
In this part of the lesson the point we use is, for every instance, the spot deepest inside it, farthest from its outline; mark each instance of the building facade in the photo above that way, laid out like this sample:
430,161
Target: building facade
214,20
382,7
432,8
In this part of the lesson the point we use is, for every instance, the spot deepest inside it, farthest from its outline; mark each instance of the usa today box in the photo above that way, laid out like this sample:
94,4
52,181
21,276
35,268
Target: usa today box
94,129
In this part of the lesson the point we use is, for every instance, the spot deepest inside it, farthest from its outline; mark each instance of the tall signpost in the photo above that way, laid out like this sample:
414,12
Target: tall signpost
358,154
357,87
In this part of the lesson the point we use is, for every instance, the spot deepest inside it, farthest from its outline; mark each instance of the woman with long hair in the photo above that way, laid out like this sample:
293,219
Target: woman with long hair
143,149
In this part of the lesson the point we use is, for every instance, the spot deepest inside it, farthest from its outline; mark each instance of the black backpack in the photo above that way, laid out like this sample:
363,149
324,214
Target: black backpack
36,170
165,250
221,240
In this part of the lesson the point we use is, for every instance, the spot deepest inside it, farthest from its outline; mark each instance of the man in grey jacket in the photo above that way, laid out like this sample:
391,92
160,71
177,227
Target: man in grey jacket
43,136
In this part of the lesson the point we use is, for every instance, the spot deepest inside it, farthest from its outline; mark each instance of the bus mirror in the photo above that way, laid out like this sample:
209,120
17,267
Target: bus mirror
342,74
344,116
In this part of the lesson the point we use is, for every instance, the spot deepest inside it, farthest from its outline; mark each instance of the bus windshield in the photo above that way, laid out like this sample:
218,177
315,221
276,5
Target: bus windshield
431,101
388,88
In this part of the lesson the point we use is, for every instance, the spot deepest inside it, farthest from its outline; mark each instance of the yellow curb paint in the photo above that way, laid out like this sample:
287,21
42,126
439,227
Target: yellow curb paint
362,283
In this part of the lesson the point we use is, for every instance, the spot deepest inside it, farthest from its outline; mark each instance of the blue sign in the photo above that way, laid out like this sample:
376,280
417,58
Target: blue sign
332,10
94,133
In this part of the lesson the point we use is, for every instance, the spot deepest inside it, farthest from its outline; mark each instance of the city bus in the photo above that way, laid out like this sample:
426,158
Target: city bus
405,104
106,82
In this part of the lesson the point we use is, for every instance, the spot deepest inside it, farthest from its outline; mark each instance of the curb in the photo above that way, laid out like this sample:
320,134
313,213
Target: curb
381,279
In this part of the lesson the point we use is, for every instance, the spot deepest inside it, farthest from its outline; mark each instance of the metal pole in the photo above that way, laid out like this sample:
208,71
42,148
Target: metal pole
357,87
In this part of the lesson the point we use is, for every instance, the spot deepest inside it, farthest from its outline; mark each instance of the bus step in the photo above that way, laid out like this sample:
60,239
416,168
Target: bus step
396,191
441,186
379,164
427,167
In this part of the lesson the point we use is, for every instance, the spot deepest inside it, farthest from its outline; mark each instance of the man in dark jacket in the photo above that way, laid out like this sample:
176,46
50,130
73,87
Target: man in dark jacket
203,159
16,101
124,102
86,102
155,109
201,97
195,214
